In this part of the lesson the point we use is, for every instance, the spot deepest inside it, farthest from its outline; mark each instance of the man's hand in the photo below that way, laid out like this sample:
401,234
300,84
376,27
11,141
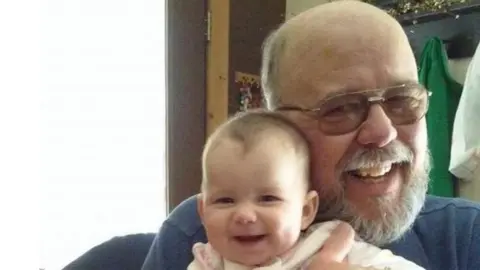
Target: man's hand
332,256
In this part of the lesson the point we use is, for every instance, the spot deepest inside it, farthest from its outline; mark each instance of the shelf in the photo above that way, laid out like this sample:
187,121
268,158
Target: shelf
424,17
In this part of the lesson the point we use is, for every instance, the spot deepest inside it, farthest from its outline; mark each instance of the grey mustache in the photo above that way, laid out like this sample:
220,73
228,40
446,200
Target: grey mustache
395,152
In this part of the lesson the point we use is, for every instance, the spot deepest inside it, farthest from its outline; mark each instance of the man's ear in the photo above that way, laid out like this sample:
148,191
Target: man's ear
310,208
200,206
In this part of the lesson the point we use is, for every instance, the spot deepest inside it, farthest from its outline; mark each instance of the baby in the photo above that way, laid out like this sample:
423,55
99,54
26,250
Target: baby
256,203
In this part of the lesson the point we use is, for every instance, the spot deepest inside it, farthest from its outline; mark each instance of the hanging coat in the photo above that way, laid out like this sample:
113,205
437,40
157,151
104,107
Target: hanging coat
435,76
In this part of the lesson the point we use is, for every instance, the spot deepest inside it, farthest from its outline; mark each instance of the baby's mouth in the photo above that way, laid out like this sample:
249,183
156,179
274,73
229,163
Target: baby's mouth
247,239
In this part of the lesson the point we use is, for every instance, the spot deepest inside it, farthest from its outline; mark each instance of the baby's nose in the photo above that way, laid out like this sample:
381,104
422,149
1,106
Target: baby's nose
245,215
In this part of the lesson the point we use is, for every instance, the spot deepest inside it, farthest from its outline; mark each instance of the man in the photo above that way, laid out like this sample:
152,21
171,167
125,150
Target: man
345,73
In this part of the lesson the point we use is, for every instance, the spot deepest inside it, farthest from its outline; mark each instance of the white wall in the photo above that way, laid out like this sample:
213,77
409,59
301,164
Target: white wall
82,125
19,83
103,124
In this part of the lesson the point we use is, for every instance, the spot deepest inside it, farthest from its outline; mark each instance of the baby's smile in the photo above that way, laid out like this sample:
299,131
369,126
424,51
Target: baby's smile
250,239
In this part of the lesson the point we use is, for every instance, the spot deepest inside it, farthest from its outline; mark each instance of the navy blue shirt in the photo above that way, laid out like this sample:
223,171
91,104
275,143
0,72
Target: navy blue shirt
445,236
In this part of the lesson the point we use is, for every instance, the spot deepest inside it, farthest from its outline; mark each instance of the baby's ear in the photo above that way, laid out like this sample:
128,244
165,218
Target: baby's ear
310,208
200,207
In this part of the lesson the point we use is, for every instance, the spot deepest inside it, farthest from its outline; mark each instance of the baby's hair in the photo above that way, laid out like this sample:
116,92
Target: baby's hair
252,128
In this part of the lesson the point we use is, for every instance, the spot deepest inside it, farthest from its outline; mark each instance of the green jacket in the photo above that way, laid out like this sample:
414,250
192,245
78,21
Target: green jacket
434,74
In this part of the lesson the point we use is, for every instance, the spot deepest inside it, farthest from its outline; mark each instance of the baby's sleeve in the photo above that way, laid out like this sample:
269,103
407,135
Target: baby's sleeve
204,258
367,255
195,265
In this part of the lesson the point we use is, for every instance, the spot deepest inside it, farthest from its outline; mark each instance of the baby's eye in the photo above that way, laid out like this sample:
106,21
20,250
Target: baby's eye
224,200
269,198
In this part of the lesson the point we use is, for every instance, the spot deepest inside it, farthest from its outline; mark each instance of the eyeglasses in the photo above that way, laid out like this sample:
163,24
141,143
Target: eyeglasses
403,104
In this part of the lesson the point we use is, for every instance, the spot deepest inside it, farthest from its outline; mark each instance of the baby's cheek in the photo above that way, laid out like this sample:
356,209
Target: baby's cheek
287,241
290,230
215,223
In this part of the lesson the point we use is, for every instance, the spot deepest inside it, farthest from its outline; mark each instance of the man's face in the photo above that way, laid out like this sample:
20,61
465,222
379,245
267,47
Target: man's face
382,200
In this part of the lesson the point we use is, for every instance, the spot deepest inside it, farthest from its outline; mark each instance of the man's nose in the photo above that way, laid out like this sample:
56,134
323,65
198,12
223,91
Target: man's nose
245,214
377,130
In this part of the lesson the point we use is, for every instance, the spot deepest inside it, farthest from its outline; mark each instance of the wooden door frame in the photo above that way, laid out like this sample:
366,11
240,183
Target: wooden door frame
218,64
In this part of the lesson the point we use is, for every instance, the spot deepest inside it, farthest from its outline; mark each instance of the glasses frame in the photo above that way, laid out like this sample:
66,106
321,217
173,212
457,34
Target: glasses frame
372,100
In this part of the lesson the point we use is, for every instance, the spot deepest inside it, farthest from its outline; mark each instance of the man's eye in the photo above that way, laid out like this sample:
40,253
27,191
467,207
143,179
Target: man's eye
269,198
224,200
398,100
343,110
403,104
337,111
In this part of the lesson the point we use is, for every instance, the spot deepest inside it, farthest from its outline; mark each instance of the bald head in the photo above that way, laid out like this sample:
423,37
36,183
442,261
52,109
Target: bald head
334,23
327,39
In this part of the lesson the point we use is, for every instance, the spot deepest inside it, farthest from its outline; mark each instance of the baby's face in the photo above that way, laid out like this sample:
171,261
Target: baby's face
255,205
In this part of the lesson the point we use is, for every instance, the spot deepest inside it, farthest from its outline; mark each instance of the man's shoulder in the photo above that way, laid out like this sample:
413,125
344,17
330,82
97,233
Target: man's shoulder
441,208
434,203
172,247
448,219
185,217
446,235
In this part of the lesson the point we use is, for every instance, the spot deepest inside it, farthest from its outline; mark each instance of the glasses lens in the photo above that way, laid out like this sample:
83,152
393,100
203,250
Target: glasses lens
342,114
406,105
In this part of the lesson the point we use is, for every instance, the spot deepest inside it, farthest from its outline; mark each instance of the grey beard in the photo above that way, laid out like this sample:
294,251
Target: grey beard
395,218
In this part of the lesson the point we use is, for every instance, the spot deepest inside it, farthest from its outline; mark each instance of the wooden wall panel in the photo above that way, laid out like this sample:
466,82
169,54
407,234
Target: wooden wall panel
186,84
218,61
